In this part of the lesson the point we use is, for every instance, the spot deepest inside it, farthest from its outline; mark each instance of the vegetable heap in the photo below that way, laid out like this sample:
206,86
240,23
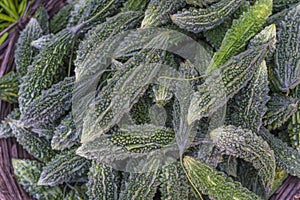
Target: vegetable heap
113,106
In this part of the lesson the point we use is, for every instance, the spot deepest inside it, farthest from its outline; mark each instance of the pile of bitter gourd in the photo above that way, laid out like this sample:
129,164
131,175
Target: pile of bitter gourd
251,46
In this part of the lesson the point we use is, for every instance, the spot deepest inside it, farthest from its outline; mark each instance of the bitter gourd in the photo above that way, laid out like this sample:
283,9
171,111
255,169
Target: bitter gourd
286,157
124,121
97,10
215,184
37,146
136,80
157,12
45,69
197,20
183,92
27,173
245,144
280,109
42,17
277,4
294,122
102,150
42,42
139,186
242,30
277,17
248,176
216,91
104,182
86,61
216,35
76,193
9,87
142,138
174,183
140,111
50,106
5,130
134,142
76,12
25,53
249,104
65,134
234,75
59,20
294,130
63,167
287,55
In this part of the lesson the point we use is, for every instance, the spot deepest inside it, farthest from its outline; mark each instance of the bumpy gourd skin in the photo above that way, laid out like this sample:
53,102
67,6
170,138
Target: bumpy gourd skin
245,144
125,121
135,5
119,98
41,15
249,105
25,53
294,123
246,110
135,140
140,111
139,186
50,106
27,173
294,130
142,139
279,4
65,134
85,9
197,20
287,55
45,69
5,130
216,35
86,62
280,109
213,183
242,30
104,182
234,75
174,183
158,12
59,21
38,147
62,168
287,158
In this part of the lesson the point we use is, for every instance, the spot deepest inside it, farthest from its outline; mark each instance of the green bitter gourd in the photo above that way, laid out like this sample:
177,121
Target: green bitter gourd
197,20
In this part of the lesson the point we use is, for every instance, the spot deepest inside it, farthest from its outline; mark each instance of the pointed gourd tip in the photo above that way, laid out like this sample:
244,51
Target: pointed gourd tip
172,17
